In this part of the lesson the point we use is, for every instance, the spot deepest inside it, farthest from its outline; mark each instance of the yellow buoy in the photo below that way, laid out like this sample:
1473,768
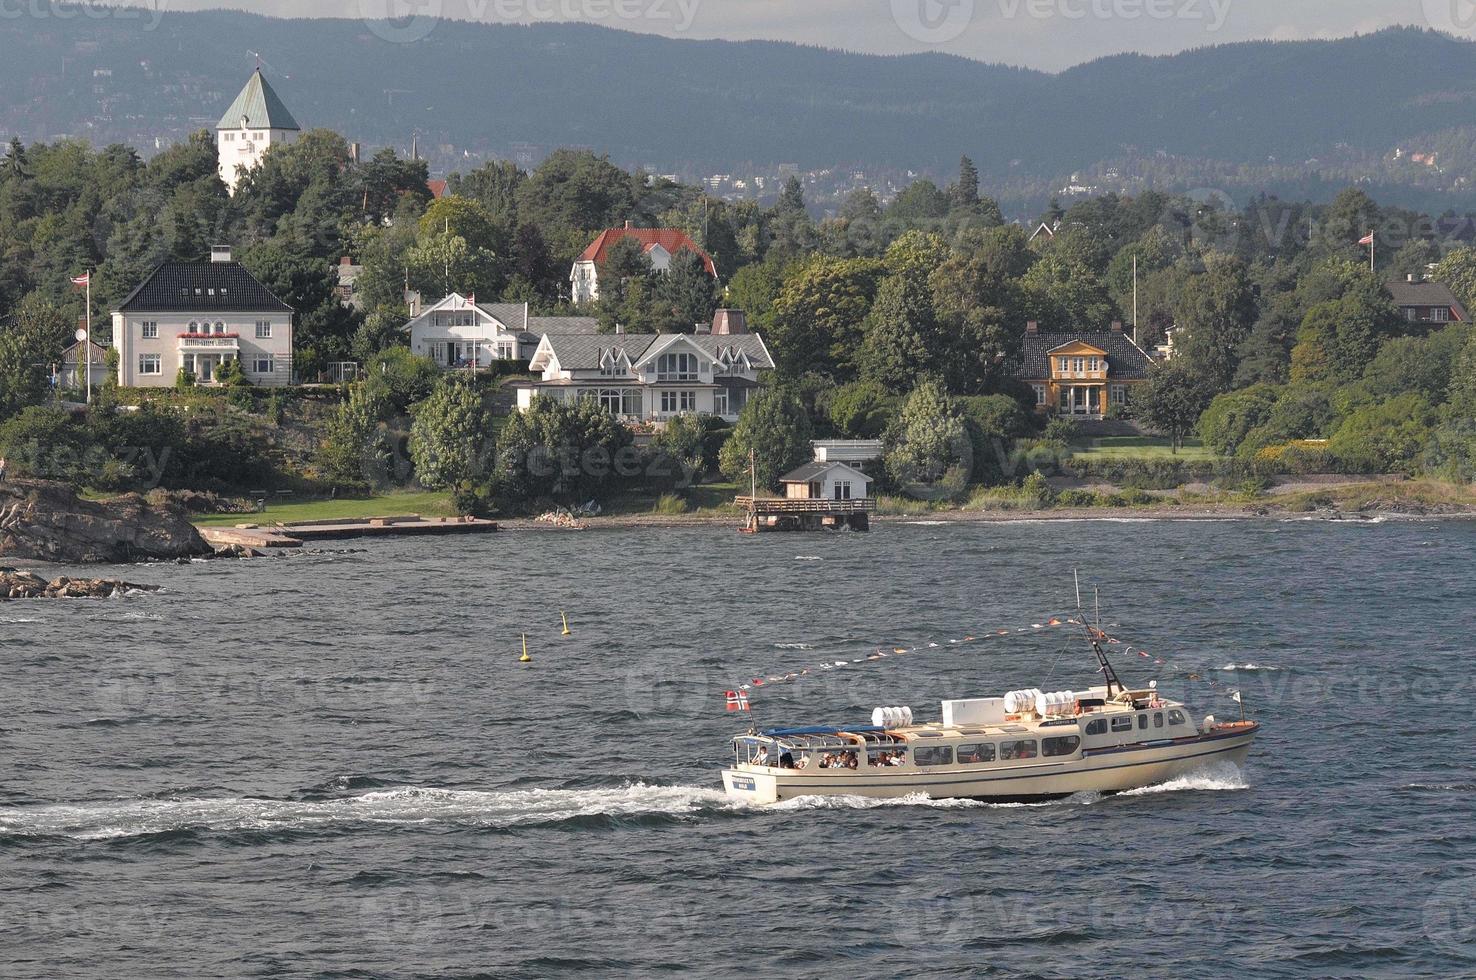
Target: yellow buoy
525,658
565,617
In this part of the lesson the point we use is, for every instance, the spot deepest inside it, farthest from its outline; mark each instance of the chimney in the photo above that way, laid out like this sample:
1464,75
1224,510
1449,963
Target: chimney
220,253
1412,277
629,224
1117,326
346,261
727,323
1032,328
619,329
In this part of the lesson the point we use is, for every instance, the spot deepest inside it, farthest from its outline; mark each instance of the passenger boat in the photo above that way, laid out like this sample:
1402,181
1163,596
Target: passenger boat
1026,746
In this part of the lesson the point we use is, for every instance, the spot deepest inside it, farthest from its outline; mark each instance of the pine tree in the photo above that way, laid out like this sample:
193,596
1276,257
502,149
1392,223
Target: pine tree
966,191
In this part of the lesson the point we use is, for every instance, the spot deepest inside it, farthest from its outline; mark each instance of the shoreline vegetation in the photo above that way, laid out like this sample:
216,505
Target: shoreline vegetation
1330,498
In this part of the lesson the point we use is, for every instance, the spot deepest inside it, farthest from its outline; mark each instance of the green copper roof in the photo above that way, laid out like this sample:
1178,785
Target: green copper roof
259,104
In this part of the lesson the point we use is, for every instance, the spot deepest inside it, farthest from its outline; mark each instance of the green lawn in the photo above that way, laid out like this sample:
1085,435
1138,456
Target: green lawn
388,505
1141,447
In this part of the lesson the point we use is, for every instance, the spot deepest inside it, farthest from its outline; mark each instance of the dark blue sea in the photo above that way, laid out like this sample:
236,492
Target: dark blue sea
333,765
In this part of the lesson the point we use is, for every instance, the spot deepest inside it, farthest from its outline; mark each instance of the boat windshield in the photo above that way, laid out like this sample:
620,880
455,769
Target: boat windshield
820,749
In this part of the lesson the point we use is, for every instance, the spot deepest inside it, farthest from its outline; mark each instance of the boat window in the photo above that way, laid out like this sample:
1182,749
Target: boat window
1176,717
1097,727
889,756
933,755
1059,746
970,755
1158,719
1142,721
1122,724
1023,749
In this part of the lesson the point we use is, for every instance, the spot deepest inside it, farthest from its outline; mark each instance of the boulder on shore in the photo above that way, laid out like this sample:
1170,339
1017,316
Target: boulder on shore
27,585
46,521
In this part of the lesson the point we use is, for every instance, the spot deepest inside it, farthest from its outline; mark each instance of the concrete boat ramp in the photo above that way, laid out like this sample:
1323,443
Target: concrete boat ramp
295,534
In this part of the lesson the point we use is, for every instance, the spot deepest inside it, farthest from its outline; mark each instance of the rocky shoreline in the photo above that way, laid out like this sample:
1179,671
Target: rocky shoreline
44,521
16,584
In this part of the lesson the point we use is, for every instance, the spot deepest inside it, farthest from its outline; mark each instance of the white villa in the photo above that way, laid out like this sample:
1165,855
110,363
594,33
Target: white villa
658,244
458,331
650,377
196,316
255,122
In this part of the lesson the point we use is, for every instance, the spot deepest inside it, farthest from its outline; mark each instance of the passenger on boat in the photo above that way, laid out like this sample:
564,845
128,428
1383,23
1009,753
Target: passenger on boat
786,761
851,760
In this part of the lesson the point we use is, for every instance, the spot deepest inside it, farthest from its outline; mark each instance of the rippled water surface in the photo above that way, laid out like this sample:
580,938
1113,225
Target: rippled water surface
333,765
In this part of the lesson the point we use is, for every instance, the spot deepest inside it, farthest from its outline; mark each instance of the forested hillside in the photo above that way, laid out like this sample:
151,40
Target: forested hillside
1294,117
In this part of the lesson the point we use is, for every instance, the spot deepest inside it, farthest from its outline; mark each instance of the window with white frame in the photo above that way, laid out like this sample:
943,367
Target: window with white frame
668,402
150,364
220,328
1440,314
261,365
1119,394
610,400
688,401
632,403
263,330
1065,364
720,402
677,367
1040,394
150,329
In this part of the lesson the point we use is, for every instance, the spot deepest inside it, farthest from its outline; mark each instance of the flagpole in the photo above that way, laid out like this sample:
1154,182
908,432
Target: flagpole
87,344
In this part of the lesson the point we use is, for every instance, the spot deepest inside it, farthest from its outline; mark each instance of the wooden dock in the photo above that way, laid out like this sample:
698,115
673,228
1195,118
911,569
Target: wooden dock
805,514
292,534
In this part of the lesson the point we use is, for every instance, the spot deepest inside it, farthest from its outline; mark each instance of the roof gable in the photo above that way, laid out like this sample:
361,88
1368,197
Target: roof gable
1077,347
260,107
668,343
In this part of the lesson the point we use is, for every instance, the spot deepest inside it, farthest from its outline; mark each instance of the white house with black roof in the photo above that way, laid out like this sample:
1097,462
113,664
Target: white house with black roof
458,332
198,315
650,377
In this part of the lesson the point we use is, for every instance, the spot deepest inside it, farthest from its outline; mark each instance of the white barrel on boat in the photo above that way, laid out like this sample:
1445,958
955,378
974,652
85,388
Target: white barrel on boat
906,715
879,717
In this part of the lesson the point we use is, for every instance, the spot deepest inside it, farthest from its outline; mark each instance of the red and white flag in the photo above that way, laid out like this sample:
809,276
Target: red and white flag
737,701
82,280
1367,240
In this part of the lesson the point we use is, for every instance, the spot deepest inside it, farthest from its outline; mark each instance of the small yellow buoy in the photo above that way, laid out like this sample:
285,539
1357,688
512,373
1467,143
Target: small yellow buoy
565,617
525,659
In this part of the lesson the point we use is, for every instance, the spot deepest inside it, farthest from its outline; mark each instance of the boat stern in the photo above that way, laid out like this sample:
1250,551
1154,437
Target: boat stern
751,786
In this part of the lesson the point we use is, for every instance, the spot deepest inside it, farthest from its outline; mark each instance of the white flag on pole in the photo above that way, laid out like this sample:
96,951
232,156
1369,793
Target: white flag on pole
1236,696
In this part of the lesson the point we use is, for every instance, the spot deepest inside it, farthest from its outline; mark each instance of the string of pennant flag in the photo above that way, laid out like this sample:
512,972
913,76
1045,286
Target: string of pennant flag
739,697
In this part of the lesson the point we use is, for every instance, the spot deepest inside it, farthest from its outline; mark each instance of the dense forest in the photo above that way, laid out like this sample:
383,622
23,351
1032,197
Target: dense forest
1279,116
900,321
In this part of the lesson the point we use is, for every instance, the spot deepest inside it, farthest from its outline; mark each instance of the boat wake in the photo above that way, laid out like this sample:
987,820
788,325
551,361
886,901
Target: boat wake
1219,778
401,806
1247,667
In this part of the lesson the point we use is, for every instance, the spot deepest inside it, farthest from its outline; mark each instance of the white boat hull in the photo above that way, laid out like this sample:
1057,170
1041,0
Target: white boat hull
1103,771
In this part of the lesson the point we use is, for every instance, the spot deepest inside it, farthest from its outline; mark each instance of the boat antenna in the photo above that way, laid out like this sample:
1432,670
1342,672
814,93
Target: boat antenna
1114,686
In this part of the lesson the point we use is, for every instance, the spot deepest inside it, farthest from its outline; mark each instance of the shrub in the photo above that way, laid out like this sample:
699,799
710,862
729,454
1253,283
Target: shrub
670,505
1077,498
1037,492
1063,431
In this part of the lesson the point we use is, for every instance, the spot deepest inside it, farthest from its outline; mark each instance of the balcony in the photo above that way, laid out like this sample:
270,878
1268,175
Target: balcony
210,341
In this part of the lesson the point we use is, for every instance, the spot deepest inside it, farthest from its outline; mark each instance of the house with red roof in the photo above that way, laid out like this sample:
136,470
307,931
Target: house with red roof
659,244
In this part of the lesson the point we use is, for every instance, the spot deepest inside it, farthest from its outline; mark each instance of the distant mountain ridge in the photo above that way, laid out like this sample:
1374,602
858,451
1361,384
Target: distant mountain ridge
714,105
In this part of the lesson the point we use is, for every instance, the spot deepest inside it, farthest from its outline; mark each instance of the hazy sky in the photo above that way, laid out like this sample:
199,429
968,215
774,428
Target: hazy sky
1047,34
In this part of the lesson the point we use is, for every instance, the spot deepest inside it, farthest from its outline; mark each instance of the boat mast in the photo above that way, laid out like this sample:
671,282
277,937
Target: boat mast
1114,686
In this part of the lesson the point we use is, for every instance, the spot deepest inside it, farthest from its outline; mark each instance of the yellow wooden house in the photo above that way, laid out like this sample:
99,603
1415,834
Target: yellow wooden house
1083,374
